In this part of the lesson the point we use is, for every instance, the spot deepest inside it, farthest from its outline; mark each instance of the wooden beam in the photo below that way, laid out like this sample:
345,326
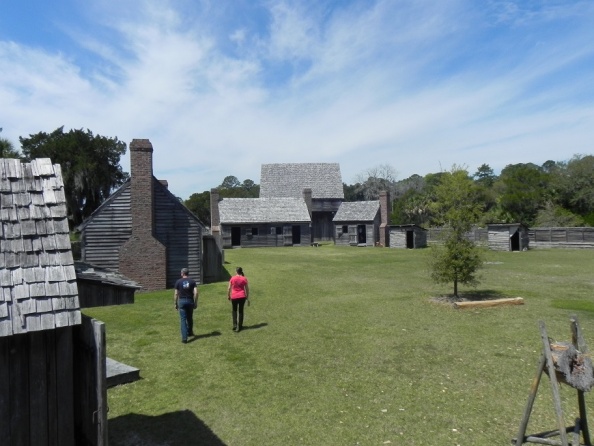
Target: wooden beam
489,303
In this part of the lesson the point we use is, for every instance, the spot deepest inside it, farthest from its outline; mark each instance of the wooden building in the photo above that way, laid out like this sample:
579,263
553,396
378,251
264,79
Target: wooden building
42,332
261,222
144,232
508,237
407,236
324,180
357,223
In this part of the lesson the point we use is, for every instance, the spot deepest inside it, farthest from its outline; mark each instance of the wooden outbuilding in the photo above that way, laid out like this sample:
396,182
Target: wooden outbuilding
357,223
408,236
144,232
263,222
508,237
48,391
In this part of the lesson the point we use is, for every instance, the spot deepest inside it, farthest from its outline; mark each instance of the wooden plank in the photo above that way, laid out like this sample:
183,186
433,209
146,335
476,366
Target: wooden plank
4,390
65,386
19,390
490,303
99,362
53,374
38,383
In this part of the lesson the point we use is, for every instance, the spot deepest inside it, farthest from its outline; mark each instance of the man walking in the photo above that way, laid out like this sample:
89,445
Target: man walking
186,301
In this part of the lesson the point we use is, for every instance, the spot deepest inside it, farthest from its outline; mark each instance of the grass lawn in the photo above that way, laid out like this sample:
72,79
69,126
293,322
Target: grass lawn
344,346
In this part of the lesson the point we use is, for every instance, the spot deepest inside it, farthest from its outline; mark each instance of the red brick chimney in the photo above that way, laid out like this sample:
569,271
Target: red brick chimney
143,258
384,234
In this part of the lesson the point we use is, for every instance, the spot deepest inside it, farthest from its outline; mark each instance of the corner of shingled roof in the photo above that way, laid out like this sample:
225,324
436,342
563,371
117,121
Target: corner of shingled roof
38,288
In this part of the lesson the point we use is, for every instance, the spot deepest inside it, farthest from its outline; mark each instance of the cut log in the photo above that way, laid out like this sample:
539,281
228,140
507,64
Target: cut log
489,303
571,366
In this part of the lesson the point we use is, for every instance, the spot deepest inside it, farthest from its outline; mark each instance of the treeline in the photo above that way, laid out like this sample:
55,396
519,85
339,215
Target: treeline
555,194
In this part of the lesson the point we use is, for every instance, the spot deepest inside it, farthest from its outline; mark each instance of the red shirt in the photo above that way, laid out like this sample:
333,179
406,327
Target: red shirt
238,284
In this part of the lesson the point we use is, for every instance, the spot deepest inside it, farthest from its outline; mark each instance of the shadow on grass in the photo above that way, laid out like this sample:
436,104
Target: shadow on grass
254,327
206,335
174,429
479,295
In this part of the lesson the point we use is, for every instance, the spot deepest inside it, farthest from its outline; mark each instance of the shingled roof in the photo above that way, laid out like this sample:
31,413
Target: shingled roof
263,210
289,180
38,288
357,211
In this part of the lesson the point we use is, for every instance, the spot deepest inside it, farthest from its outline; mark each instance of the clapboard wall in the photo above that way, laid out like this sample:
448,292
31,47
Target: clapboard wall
175,227
264,235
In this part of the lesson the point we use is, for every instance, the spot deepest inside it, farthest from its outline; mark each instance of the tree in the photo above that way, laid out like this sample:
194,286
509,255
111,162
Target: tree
375,180
485,176
199,204
7,149
524,191
457,259
574,184
230,182
90,166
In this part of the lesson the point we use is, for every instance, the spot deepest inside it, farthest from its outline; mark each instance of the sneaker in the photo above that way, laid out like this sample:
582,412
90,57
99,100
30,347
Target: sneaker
191,333
185,341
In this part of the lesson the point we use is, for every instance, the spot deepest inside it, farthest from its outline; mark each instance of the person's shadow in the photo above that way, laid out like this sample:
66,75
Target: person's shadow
254,327
205,335
181,428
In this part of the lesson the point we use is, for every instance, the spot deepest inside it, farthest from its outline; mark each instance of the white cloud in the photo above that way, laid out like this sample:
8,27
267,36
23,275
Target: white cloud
419,85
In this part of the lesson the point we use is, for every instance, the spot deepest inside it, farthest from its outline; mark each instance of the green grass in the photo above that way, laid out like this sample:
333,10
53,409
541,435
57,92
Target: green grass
344,346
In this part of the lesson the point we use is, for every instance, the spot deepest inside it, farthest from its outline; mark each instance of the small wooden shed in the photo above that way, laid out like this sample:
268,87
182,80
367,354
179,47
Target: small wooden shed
508,237
357,223
408,236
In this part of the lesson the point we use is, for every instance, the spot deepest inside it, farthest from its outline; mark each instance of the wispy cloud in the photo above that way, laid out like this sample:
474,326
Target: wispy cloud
222,87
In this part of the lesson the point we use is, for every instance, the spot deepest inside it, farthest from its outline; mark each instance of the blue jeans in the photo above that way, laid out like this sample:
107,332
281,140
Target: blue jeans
186,313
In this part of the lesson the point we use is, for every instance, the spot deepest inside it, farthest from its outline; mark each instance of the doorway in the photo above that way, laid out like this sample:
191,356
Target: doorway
410,239
361,235
296,231
515,241
235,236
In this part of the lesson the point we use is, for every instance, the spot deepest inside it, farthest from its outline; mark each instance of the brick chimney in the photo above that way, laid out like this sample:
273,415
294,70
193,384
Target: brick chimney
143,258
215,218
308,199
384,234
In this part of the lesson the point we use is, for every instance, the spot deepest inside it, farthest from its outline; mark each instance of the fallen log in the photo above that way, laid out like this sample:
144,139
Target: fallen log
489,303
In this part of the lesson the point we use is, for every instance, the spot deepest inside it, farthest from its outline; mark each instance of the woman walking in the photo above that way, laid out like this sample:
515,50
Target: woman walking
238,293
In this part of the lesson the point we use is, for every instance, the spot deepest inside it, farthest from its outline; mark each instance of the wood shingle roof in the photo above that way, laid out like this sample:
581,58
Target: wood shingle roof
357,211
289,180
263,210
38,288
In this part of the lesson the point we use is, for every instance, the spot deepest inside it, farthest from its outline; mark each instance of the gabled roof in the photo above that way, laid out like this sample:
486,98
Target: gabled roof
289,180
357,211
156,184
37,278
263,210
92,273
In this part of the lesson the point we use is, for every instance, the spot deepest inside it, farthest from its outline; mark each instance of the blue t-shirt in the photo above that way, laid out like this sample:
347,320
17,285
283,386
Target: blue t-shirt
185,288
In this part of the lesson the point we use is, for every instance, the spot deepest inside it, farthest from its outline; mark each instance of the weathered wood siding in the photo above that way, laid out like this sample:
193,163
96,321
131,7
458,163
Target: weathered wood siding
322,213
499,239
90,383
267,235
36,389
398,237
477,235
179,231
175,227
582,238
212,259
351,236
95,294
108,230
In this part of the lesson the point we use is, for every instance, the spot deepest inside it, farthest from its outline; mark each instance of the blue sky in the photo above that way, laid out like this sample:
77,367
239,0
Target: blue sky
222,86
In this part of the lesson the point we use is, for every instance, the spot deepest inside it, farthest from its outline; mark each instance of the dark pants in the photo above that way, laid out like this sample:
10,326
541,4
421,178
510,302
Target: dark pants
237,305
186,313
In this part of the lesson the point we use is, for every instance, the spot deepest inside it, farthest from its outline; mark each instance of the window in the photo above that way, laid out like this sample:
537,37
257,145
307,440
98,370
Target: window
254,231
279,230
345,229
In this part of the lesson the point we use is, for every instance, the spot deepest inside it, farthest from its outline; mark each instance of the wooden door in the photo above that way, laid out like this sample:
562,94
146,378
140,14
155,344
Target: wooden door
90,383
